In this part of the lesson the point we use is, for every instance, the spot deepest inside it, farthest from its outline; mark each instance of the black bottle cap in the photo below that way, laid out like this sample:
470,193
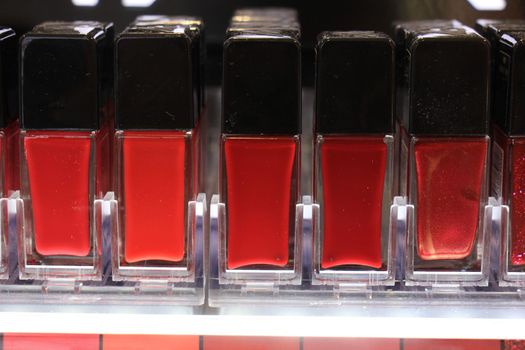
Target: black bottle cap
354,83
63,76
262,79
445,84
8,77
159,74
492,29
196,27
509,83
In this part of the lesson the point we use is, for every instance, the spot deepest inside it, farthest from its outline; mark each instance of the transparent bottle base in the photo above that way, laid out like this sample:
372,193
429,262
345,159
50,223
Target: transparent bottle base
149,274
38,285
32,267
441,277
365,277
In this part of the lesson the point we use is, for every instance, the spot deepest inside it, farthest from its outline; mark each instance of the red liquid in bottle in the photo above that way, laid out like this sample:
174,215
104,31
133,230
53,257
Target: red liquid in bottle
353,176
450,175
517,207
261,196
154,180
58,167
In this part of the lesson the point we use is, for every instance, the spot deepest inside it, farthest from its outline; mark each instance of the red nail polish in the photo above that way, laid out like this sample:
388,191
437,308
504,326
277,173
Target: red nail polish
261,126
64,147
9,133
158,105
508,153
354,155
444,115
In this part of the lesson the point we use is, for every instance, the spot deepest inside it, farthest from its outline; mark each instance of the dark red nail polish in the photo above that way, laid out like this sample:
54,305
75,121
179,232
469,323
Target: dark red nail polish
9,134
444,113
354,153
260,140
508,153
158,105
65,149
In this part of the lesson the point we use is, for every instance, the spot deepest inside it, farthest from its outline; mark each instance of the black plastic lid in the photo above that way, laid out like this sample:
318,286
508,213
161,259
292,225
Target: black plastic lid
196,26
509,83
492,29
8,77
159,74
64,75
446,85
354,83
262,79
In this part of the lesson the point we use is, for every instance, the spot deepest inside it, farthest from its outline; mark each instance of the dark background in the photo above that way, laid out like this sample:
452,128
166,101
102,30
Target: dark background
315,17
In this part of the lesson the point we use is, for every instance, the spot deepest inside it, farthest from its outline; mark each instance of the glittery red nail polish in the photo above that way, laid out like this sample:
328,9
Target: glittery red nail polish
517,200
353,175
443,109
508,153
64,148
450,177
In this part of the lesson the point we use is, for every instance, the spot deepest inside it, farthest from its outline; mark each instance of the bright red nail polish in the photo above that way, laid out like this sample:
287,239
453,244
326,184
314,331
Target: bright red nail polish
443,110
154,158
260,171
159,105
64,147
58,166
353,150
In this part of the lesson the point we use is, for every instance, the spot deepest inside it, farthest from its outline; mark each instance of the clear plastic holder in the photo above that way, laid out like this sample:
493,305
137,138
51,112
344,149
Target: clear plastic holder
366,277
189,278
65,288
450,279
57,268
4,238
227,285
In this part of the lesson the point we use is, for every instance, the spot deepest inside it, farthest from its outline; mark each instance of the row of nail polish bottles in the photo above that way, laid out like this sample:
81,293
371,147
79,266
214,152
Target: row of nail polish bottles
77,144
436,156
80,141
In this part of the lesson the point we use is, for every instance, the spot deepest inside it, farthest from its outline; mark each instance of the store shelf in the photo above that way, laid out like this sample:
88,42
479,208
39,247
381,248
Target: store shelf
476,323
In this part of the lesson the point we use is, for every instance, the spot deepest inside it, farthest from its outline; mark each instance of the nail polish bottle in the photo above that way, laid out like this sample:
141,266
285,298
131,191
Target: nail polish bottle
444,163
9,133
65,140
260,147
508,153
158,121
354,157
